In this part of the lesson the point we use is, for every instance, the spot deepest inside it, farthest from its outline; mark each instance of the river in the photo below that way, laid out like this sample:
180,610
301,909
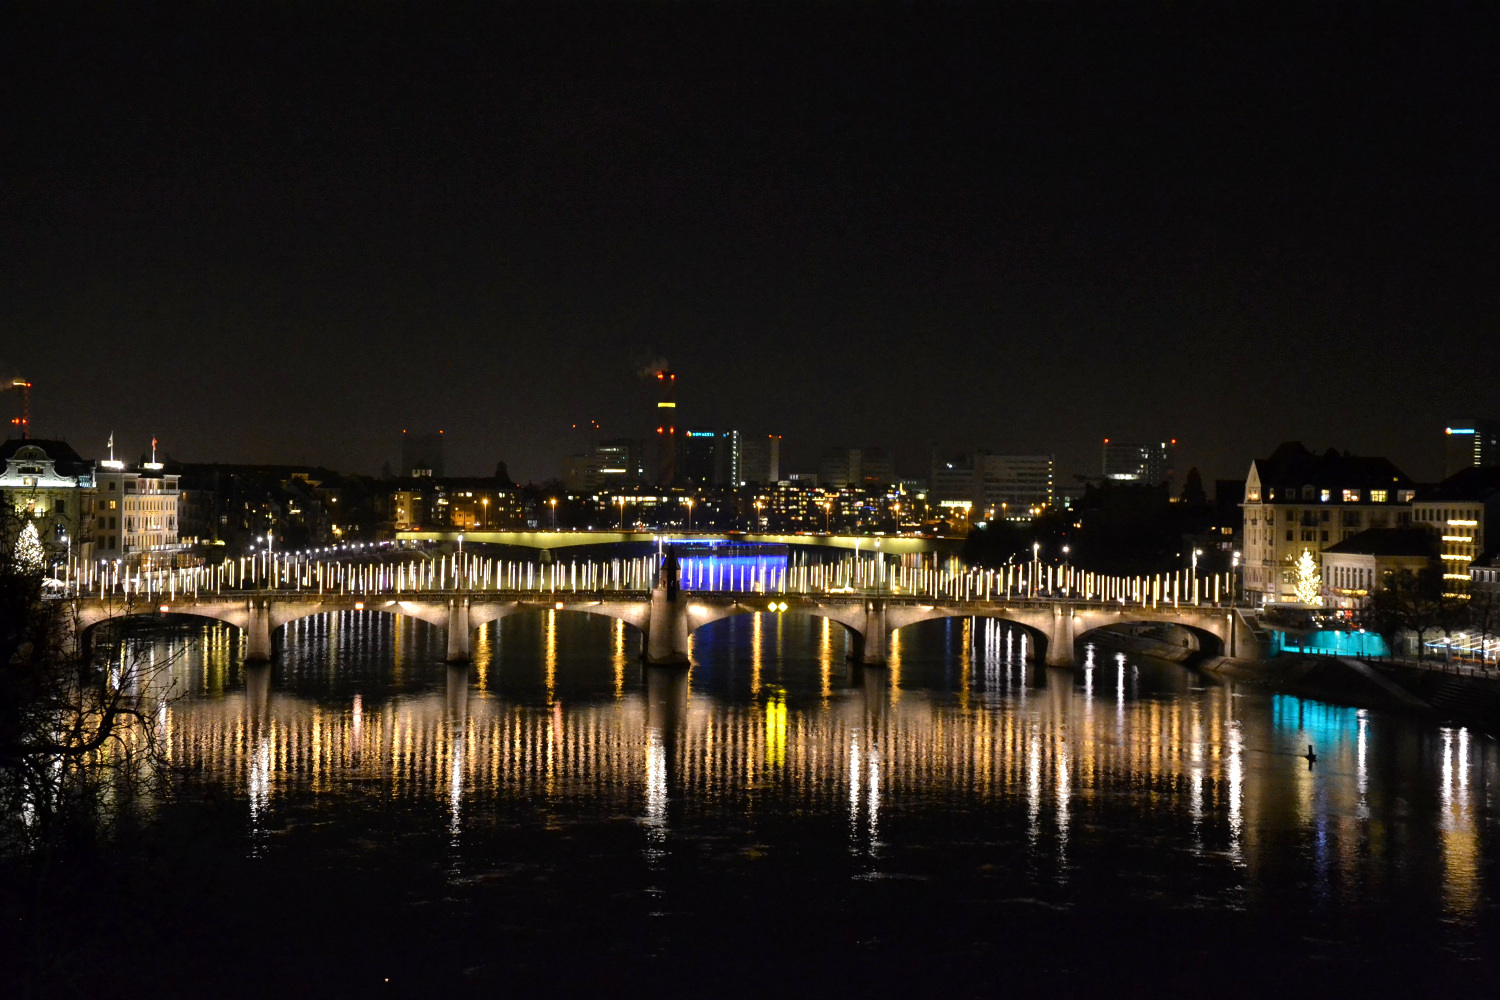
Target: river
361,818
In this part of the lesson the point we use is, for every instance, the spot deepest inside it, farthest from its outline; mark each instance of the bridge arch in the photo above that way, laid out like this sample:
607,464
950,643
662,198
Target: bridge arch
1035,625
703,617
1175,632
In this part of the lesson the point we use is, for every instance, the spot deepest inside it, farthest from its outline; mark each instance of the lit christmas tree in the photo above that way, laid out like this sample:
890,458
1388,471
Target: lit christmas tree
1309,583
29,555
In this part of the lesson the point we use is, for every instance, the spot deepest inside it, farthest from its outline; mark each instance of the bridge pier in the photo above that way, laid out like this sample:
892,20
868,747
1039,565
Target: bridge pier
258,632
875,635
1060,637
458,630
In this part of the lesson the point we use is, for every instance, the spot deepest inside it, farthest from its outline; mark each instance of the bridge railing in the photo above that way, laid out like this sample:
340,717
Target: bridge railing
929,578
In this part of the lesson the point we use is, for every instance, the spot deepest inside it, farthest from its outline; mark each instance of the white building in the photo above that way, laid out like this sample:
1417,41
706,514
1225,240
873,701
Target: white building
47,483
136,513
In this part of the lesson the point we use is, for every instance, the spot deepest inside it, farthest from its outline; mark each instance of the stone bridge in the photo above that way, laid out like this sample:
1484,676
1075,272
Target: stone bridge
666,616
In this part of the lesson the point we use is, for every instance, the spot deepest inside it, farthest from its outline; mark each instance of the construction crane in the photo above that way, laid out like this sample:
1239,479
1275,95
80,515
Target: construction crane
23,422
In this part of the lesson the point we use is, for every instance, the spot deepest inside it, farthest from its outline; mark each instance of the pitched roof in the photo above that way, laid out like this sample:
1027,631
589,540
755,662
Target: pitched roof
1476,484
1292,466
64,459
1388,542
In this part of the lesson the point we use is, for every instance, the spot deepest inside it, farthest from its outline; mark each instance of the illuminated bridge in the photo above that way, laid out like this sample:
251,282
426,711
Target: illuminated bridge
667,599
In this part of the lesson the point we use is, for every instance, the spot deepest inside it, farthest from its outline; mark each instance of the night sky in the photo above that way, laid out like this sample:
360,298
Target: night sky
283,235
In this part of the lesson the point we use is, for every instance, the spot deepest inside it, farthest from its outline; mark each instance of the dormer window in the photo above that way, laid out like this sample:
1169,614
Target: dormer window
1308,492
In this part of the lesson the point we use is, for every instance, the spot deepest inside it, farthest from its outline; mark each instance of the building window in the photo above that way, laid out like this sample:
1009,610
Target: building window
1351,496
1323,536
1377,496
1323,496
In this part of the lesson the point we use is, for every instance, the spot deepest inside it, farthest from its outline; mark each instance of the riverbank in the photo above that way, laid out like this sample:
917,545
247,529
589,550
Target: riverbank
1444,696
1370,684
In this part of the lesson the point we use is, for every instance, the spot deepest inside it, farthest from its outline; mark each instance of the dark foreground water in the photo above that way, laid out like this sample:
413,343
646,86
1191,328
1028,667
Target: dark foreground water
361,819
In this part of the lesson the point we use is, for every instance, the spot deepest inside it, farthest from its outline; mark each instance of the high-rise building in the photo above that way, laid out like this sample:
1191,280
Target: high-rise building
620,461
954,476
1149,464
700,457
760,459
729,459
422,454
1468,443
1015,485
666,428
1010,486
840,467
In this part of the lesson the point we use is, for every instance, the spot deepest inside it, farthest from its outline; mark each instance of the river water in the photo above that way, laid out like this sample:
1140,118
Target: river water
361,818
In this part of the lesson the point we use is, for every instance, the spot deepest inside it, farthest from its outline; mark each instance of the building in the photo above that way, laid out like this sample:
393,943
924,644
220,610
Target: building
1355,566
466,504
954,476
1296,500
580,473
136,513
1484,582
620,462
760,459
422,454
840,467
1014,487
700,457
48,484
1456,512
1151,464
1468,443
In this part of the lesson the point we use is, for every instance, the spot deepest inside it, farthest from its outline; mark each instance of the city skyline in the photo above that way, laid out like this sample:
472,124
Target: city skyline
286,238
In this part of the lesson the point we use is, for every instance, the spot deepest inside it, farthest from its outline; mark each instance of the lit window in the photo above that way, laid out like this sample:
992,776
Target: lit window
1378,496
1351,496
1325,494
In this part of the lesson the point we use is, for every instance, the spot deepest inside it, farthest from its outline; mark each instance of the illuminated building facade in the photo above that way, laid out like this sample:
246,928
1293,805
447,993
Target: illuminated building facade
136,513
1357,565
1456,512
1296,500
48,484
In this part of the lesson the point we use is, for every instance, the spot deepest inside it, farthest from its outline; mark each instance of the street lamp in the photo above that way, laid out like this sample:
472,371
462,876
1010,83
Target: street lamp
689,502
827,517
485,506
553,504
759,518
621,501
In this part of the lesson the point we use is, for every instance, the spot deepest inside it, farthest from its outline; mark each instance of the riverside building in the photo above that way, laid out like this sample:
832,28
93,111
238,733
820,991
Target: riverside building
1296,500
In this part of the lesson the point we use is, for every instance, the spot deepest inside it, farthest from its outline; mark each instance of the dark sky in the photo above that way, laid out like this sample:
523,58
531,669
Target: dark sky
284,235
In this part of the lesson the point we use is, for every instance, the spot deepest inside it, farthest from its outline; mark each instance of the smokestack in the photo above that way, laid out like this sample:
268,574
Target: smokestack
666,428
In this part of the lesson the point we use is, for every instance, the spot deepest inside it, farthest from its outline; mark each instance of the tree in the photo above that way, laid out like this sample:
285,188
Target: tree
1410,602
1309,583
78,751
29,556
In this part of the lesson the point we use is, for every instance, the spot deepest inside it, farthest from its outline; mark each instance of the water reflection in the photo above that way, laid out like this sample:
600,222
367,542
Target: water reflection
956,737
